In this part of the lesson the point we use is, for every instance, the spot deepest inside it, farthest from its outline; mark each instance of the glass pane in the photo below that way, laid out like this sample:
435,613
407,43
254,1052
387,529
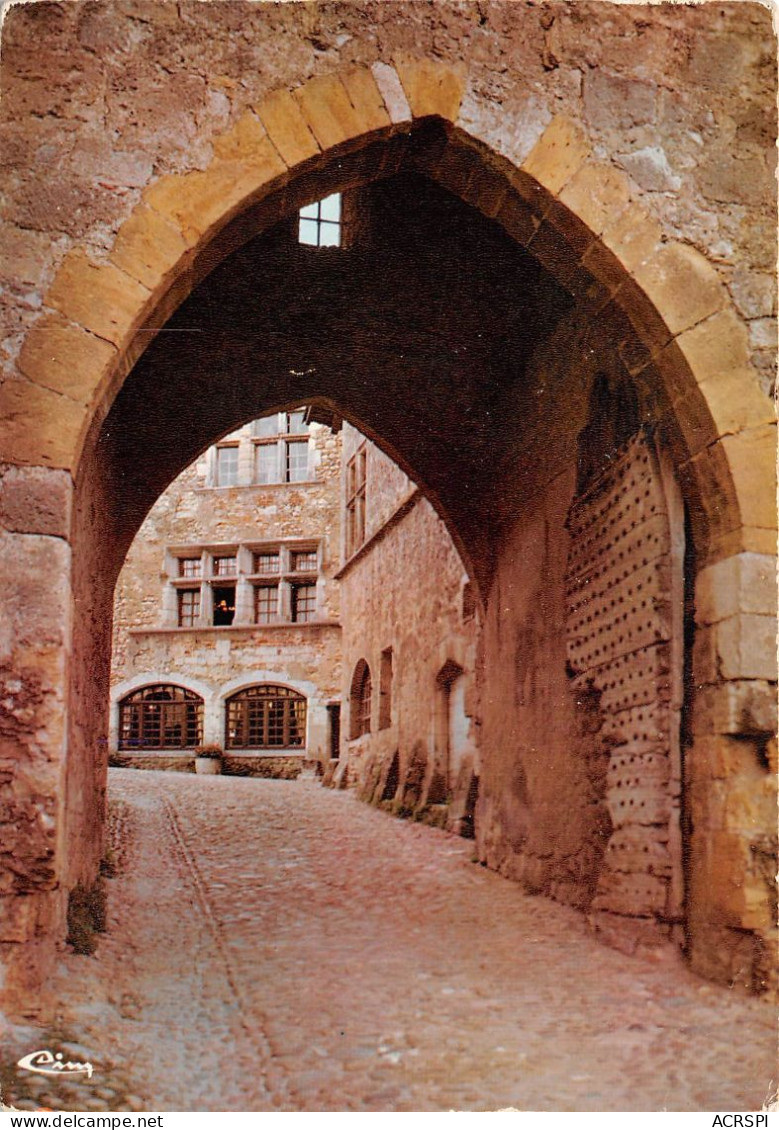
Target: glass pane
266,562
267,426
266,603
330,207
311,210
189,567
267,463
329,235
297,461
309,232
296,422
224,566
227,466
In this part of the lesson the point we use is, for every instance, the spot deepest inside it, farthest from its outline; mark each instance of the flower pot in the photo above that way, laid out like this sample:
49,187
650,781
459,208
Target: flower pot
209,766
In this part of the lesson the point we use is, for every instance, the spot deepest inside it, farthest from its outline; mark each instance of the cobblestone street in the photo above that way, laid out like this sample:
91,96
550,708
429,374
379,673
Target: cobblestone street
276,945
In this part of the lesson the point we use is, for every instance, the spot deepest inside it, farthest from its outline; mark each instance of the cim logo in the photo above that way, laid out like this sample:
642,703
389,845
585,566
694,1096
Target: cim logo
48,1063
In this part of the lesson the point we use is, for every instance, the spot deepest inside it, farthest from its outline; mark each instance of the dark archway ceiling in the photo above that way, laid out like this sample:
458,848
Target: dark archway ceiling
417,332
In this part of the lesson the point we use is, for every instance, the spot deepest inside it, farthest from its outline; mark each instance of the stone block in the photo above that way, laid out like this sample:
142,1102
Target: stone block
619,103
392,92
148,247
743,707
35,500
736,402
242,140
36,571
99,297
38,426
682,285
751,456
516,217
282,117
366,98
431,87
633,236
328,112
716,345
201,201
596,193
25,256
746,647
559,153
66,358
743,583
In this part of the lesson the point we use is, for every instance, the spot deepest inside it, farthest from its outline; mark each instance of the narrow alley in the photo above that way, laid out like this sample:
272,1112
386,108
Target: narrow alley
273,945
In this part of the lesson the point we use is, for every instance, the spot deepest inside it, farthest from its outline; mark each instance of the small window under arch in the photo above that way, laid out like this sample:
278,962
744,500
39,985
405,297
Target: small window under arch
163,716
360,701
320,223
266,717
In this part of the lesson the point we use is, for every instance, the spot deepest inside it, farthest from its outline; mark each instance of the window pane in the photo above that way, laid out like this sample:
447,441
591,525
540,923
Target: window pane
329,235
266,562
190,567
189,607
226,466
267,426
304,561
311,210
330,207
296,422
267,463
224,566
297,461
309,232
266,604
303,603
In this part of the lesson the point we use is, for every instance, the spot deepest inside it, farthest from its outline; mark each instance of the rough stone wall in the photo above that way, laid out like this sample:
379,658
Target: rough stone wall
404,591
193,512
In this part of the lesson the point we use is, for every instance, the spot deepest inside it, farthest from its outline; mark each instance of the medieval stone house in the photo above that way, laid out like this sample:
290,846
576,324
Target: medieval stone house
555,312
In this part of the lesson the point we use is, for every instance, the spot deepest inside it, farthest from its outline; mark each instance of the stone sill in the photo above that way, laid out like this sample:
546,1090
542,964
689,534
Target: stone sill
258,629
230,755
261,486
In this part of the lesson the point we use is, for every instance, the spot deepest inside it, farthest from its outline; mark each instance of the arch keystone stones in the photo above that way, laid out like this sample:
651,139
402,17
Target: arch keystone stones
432,88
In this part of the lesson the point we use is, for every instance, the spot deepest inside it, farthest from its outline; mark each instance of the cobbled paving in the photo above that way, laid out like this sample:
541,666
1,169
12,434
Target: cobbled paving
273,945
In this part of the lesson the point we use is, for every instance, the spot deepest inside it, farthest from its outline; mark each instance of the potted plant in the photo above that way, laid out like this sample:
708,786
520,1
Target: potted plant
208,759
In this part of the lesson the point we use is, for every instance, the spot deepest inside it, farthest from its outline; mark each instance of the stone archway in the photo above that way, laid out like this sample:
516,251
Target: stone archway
660,302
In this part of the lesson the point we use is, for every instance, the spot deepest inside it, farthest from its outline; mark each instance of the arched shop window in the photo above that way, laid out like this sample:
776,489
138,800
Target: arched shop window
266,717
161,717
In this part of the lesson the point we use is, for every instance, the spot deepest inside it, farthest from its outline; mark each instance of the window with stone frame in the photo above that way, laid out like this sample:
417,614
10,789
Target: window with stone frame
385,689
303,603
266,604
161,717
266,716
188,607
360,701
226,474
281,448
356,474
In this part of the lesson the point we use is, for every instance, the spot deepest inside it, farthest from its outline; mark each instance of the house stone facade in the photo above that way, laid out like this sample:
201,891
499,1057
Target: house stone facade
228,593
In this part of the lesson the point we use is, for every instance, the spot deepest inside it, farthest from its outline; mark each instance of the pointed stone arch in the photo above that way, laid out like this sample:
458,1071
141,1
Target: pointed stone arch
584,222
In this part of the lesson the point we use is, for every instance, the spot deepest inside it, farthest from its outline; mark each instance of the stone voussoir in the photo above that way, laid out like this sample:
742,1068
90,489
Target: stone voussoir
286,127
149,247
65,358
98,296
432,88
682,285
201,203
558,154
